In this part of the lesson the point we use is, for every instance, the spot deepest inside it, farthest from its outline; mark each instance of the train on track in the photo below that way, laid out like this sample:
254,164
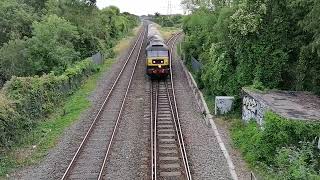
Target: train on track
157,53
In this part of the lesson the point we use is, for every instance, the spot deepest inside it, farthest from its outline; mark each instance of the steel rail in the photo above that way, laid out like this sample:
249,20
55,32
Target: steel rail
151,131
153,123
177,118
120,112
102,107
154,131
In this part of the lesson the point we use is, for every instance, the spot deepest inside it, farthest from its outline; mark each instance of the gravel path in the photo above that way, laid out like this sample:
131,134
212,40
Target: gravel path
54,164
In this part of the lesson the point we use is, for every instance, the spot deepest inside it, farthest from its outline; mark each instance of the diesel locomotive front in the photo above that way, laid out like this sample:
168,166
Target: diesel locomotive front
157,52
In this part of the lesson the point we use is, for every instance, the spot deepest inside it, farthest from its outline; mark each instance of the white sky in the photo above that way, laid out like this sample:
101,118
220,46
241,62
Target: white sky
143,7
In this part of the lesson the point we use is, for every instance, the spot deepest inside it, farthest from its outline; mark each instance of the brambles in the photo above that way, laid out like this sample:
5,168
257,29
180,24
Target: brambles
282,148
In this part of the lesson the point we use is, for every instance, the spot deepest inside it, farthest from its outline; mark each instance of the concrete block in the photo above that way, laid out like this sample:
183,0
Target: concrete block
223,104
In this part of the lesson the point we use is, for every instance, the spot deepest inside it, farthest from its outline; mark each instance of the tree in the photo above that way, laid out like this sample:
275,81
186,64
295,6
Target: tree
13,59
38,5
15,20
51,47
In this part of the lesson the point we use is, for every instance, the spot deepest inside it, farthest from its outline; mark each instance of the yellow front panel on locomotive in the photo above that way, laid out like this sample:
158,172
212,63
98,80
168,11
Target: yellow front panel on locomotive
150,61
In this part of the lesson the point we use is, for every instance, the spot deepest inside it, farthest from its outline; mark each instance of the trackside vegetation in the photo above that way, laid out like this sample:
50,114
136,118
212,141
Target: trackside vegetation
284,149
44,60
41,57
168,20
31,99
37,38
265,43
34,145
261,44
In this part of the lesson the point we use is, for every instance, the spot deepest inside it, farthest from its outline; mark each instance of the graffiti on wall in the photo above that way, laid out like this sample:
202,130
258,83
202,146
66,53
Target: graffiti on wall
223,104
252,109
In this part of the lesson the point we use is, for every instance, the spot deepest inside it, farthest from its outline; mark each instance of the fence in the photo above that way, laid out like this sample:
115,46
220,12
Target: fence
98,58
196,65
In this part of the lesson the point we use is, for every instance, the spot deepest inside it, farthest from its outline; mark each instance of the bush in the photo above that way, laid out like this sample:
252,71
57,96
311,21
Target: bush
297,163
8,121
168,20
51,47
266,148
13,59
28,100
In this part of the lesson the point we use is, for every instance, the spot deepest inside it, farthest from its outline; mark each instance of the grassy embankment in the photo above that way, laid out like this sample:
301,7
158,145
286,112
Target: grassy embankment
36,145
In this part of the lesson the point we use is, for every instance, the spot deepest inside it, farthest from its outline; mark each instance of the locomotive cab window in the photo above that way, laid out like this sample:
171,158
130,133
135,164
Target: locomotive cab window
157,53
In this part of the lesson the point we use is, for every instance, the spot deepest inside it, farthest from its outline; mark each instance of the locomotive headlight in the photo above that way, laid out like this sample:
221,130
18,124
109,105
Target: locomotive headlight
153,62
159,66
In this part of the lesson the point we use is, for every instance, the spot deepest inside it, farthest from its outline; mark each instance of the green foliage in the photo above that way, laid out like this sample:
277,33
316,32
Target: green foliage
51,47
49,35
28,100
259,43
13,59
15,20
297,163
268,148
168,20
9,120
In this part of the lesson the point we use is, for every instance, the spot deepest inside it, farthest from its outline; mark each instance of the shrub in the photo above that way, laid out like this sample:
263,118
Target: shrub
279,137
13,59
28,100
51,47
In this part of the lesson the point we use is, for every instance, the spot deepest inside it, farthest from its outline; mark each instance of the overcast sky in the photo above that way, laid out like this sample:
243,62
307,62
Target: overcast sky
143,7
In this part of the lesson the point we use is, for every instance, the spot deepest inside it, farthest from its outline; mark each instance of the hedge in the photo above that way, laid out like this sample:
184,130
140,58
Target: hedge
25,101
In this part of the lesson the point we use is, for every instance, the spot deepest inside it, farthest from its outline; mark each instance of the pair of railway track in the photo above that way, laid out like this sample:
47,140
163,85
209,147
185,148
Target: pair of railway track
168,153
90,158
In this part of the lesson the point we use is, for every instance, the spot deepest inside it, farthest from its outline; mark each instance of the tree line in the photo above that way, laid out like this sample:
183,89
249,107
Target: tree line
44,50
168,20
265,44
38,37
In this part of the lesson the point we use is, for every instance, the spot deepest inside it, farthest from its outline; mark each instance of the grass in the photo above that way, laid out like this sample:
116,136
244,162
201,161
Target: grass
45,136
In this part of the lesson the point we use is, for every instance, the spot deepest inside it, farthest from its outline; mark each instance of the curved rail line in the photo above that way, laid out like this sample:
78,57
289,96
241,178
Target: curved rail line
166,128
98,115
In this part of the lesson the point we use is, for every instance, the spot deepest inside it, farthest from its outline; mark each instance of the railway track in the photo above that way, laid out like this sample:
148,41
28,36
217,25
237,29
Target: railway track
168,154
90,159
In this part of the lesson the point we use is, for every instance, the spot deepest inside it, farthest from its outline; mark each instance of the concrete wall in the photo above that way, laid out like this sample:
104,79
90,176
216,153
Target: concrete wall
253,108
223,104
98,58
